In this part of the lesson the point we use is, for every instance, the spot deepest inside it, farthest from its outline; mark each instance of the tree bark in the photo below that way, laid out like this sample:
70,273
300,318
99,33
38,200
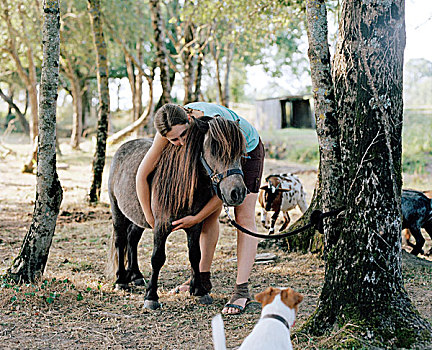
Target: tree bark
31,261
161,54
363,291
103,92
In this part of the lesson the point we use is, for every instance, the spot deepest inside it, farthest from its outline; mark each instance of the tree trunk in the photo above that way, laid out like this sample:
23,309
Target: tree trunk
198,76
31,261
363,291
188,63
216,55
103,109
77,112
132,82
229,57
85,103
21,116
161,54
138,86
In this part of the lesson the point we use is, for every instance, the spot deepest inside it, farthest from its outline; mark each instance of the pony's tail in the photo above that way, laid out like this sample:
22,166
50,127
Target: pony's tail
112,258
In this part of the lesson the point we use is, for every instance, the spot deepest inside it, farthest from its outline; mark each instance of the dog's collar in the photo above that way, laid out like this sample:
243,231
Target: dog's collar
277,317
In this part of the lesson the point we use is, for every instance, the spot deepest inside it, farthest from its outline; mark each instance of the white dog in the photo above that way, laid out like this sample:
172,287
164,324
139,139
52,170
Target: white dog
279,309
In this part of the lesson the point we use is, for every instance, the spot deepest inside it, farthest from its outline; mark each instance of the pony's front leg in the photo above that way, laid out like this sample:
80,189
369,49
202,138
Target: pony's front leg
196,287
157,260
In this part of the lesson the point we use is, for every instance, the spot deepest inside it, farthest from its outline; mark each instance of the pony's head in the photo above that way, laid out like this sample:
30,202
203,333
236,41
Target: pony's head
223,147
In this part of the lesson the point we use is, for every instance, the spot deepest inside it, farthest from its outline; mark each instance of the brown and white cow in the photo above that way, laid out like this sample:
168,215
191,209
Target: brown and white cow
282,193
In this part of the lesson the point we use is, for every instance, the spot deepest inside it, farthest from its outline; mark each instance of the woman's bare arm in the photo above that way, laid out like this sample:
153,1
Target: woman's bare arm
188,221
147,165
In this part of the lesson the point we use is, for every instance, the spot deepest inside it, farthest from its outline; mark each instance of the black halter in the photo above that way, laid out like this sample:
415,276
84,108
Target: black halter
216,178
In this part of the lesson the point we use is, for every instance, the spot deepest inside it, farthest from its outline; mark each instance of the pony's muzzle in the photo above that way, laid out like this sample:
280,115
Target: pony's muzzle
238,195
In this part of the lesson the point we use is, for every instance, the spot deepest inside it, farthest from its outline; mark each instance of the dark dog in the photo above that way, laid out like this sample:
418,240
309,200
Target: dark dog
417,214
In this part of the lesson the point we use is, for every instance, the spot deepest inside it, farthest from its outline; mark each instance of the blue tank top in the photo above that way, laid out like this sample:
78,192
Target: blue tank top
211,110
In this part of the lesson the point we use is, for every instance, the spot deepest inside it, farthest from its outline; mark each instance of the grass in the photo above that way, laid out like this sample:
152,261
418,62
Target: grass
417,142
292,144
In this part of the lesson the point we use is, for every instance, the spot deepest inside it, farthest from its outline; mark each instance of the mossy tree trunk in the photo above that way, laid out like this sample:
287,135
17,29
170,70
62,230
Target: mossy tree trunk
31,261
104,99
363,289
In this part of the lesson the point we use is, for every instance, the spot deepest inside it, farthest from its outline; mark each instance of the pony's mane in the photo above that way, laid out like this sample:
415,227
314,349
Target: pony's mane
176,175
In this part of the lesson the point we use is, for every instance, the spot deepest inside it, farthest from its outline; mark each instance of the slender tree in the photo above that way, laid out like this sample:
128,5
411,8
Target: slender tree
161,52
31,261
103,91
359,117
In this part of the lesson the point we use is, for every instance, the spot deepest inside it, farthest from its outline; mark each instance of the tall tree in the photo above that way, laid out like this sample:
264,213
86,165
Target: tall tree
161,51
361,126
33,256
104,99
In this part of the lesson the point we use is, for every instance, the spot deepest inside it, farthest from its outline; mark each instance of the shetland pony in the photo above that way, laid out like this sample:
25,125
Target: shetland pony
180,186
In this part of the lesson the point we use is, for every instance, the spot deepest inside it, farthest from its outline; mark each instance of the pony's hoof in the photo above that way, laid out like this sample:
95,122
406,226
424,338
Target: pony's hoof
139,282
205,299
151,305
121,286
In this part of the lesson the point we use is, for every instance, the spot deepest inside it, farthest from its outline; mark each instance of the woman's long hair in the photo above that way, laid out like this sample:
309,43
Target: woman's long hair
176,176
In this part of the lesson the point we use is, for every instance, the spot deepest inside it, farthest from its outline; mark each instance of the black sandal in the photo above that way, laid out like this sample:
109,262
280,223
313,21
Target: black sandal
240,291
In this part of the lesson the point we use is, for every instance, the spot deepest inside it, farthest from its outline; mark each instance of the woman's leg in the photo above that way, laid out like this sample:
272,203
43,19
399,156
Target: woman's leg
208,240
246,246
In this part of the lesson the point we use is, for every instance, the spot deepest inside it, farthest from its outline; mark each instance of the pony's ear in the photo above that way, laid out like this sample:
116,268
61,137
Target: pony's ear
202,124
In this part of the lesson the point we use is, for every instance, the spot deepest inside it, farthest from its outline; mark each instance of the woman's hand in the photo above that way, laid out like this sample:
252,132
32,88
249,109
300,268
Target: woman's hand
186,222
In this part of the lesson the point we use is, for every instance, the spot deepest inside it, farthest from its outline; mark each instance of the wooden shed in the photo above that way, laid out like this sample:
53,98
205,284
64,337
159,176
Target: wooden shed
285,112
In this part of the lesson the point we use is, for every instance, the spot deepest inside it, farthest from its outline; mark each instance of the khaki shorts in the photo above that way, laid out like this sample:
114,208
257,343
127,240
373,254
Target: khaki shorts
253,167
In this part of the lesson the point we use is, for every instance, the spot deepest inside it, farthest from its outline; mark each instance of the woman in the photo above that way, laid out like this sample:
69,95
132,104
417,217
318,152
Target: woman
171,123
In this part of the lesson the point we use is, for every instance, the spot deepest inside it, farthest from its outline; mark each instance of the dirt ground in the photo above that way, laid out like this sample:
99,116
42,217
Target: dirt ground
74,306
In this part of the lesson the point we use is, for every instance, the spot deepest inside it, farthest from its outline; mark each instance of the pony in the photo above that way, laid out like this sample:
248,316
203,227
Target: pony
183,182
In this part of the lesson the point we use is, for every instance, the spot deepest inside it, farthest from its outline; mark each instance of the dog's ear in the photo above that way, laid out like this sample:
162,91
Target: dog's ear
291,298
265,187
267,296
